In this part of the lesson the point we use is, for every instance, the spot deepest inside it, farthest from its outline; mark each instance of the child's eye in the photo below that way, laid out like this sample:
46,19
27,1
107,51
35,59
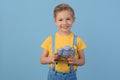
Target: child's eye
68,18
60,20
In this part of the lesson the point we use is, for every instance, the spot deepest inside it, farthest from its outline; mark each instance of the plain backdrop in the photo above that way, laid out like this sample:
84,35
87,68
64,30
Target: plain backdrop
25,24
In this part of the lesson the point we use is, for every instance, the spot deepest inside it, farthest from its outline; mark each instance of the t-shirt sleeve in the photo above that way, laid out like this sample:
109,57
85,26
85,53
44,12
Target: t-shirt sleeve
80,44
46,44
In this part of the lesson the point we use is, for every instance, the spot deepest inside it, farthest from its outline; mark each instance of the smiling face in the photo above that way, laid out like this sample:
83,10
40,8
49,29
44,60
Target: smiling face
64,20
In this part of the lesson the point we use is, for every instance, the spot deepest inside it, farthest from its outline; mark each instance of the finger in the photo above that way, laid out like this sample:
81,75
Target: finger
69,62
53,60
55,53
69,59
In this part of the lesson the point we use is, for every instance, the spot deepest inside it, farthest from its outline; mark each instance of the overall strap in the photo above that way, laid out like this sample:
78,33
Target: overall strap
74,44
53,43
74,50
53,49
75,40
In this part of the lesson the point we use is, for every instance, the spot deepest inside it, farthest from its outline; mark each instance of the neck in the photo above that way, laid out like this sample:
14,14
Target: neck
64,33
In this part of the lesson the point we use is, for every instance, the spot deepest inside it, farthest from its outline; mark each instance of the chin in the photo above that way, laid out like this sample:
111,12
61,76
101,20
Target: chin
66,31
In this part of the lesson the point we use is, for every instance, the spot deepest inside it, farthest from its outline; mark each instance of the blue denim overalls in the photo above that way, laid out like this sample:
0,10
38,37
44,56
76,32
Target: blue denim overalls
55,75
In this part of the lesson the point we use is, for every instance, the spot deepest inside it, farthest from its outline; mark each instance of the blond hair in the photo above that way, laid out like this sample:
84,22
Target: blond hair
63,7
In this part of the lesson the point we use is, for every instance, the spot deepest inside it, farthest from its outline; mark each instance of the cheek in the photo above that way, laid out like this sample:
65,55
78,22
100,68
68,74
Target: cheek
56,23
71,23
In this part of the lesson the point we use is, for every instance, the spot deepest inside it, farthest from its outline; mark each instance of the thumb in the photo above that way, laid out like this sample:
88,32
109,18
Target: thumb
55,53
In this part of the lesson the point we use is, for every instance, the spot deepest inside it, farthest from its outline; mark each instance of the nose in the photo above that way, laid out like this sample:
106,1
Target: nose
64,22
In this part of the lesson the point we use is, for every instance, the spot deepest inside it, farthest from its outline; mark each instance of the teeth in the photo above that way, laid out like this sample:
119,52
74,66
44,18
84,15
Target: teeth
65,27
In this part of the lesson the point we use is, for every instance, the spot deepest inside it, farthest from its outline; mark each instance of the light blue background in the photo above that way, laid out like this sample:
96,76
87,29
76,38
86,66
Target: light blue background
24,24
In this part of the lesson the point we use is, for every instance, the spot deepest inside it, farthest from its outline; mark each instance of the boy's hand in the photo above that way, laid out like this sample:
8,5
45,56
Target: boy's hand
54,57
72,60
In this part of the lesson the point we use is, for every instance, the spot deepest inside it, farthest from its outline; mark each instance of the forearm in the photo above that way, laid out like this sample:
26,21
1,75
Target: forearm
79,62
45,60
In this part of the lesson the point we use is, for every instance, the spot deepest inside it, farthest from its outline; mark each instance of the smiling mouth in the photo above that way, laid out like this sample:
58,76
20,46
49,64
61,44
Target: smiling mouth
65,27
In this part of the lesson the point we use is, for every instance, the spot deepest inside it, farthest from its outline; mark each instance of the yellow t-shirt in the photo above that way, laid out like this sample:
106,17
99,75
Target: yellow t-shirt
60,42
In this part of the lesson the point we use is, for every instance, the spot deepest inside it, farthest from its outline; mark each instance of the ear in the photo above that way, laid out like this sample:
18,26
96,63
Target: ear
74,19
54,20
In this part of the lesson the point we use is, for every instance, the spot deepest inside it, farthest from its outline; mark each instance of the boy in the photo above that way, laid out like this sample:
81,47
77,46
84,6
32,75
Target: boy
63,68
